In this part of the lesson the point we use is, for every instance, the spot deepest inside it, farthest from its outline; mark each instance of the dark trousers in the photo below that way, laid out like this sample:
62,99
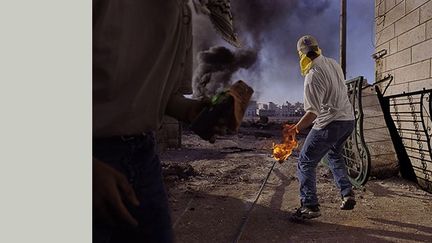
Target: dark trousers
331,140
136,158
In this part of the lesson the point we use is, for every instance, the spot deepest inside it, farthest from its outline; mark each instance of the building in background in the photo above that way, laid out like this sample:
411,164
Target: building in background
275,112
263,106
272,106
252,111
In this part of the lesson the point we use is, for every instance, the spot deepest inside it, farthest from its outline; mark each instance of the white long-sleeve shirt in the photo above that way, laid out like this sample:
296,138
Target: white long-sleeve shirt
325,93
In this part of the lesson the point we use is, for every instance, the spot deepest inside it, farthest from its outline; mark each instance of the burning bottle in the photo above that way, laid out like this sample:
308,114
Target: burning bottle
282,151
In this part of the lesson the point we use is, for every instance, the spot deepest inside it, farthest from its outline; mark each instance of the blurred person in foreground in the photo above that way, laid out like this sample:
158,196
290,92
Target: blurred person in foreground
328,108
142,65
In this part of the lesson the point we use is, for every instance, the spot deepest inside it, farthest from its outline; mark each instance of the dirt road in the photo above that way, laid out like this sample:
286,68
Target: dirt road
211,187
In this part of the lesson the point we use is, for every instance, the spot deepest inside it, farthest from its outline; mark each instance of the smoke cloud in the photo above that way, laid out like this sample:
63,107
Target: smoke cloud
216,67
271,29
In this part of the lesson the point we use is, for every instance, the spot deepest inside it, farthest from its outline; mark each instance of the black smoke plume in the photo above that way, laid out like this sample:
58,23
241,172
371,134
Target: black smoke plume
271,28
216,67
258,20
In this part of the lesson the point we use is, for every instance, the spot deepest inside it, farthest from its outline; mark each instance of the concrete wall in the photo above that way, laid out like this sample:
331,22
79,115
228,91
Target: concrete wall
404,29
384,162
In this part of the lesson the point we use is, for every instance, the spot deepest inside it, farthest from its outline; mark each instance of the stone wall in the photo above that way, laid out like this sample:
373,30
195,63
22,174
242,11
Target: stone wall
383,158
404,30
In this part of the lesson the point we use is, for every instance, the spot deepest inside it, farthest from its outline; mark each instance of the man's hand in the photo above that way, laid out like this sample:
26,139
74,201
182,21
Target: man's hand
221,125
290,131
111,193
196,107
208,120
188,110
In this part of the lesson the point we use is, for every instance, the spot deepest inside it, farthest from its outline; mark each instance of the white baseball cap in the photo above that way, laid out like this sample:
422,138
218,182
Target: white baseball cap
307,43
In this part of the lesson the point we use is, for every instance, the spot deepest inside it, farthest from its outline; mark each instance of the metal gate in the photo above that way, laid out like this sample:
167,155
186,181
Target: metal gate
408,117
356,153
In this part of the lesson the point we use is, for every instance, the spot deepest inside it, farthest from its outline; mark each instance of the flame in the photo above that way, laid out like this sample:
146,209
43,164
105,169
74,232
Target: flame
282,151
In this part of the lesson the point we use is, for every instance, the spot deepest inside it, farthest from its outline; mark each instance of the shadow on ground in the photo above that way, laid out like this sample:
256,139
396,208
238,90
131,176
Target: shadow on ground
212,218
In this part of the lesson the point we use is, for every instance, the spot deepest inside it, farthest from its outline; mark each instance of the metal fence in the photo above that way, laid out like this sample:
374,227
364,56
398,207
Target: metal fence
408,119
356,153
408,116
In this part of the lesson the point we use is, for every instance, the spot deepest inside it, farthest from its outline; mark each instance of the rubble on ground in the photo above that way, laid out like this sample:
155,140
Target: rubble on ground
210,187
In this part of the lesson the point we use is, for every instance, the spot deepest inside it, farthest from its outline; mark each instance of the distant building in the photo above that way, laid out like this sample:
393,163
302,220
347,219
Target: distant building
263,106
269,113
272,106
274,112
251,110
298,105
287,110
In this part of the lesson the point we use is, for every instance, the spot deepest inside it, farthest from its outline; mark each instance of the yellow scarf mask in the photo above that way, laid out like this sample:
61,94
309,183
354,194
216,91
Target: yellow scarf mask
306,62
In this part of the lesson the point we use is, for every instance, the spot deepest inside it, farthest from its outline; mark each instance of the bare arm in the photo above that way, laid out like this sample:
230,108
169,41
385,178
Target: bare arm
306,121
184,109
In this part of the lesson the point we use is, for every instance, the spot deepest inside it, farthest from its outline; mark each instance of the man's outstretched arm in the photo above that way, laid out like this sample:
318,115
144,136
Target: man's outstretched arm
304,122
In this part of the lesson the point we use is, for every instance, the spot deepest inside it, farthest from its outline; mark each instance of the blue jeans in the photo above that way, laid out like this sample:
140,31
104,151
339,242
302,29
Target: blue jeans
136,158
318,143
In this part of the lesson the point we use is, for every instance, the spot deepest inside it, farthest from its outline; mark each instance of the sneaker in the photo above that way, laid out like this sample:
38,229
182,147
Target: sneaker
348,202
306,212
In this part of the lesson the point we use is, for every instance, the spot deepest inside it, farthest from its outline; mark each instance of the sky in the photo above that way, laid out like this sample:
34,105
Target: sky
271,28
